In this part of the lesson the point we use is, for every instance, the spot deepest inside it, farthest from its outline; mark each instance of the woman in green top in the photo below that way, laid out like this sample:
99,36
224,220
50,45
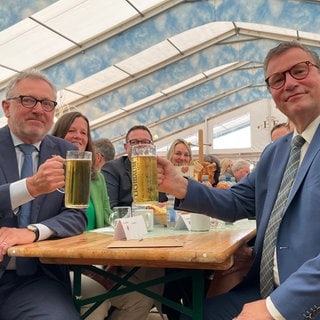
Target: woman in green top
74,127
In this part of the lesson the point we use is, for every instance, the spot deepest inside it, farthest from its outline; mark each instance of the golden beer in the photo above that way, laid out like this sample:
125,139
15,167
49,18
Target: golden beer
77,186
144,179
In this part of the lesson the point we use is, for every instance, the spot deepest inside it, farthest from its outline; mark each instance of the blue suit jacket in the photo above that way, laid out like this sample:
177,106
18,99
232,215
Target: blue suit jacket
47,209
298,242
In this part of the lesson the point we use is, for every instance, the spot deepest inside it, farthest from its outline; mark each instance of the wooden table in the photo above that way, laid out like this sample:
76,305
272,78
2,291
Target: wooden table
192,252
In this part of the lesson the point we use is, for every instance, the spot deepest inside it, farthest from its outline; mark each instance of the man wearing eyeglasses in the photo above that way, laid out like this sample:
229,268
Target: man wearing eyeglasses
30,208
117,173
282,193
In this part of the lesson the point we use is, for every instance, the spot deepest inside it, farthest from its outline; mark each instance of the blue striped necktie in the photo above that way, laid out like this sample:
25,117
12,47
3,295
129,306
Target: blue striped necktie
26,171
266,266
26,266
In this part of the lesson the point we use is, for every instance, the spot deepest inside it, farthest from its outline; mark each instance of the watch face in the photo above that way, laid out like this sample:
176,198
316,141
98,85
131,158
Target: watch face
32,228
35,230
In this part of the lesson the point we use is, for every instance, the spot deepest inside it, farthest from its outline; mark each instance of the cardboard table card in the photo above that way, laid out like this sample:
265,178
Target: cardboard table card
130,228
183,222
146,243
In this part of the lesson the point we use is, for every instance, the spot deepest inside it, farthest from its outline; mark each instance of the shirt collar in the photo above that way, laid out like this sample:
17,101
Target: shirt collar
309,132
17,141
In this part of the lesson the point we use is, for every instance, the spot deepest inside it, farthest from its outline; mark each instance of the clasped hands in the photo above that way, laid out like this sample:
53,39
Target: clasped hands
13,236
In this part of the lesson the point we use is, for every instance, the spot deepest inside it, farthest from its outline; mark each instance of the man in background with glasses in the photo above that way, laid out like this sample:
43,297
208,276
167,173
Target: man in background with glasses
117,173
28,288
282,193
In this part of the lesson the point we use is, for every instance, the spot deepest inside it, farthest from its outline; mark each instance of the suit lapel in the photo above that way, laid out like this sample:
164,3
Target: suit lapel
8,156
46,151
312,152
281,155
127,165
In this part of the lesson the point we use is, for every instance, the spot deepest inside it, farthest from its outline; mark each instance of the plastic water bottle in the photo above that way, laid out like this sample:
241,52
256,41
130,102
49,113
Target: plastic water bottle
205,178
233,181
223,184
171,213
171,218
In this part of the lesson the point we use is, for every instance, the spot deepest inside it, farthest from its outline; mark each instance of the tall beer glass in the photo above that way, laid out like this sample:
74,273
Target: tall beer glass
78,176
144,174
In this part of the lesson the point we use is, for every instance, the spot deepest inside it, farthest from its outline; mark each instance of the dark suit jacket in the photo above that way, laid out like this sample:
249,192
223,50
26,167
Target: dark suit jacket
298,242
47,209
117,174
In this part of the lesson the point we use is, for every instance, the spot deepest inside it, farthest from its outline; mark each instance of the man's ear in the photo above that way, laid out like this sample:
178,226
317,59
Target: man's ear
6,108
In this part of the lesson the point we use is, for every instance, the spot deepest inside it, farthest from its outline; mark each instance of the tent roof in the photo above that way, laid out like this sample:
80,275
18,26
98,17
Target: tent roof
168,64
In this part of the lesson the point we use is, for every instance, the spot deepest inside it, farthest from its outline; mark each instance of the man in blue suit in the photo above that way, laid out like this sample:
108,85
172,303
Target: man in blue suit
293,79
29,289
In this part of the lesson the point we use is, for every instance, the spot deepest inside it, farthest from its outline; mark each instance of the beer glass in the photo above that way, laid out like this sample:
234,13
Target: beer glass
78,176
144,174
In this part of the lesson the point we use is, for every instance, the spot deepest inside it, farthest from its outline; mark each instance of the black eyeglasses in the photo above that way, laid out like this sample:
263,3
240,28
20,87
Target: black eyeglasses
299,71
30,102
135,142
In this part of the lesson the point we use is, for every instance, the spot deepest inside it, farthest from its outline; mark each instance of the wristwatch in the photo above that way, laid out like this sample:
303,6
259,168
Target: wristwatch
34,229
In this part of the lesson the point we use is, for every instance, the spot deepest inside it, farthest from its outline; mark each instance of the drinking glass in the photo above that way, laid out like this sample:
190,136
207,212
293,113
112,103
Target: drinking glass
144,174
119,213
147,215
78,177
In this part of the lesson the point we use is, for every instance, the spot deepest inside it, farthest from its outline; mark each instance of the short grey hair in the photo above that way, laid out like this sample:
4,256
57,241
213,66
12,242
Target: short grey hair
30,74
105,147
239,164
285,46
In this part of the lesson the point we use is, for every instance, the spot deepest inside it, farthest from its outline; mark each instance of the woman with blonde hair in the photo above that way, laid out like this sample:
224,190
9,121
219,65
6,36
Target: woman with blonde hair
179,152
179,290
226,167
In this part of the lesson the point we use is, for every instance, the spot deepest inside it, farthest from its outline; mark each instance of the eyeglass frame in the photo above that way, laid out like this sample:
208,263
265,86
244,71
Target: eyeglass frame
307,63
100,153
138,141
21,97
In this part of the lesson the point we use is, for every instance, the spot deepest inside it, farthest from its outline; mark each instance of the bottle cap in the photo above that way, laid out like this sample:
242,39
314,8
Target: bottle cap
205,177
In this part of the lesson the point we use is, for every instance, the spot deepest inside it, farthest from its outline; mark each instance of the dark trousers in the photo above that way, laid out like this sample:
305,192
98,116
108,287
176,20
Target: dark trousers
35,297
228,305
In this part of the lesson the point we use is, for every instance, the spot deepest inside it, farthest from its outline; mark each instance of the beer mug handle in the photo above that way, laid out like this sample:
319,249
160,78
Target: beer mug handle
148,220
61,190
113,219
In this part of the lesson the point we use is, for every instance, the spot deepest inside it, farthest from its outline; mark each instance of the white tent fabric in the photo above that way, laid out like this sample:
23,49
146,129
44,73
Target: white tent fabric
171,65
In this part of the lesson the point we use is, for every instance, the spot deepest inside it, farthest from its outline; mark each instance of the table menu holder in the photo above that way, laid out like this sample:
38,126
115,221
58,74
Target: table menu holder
133,228
183,222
